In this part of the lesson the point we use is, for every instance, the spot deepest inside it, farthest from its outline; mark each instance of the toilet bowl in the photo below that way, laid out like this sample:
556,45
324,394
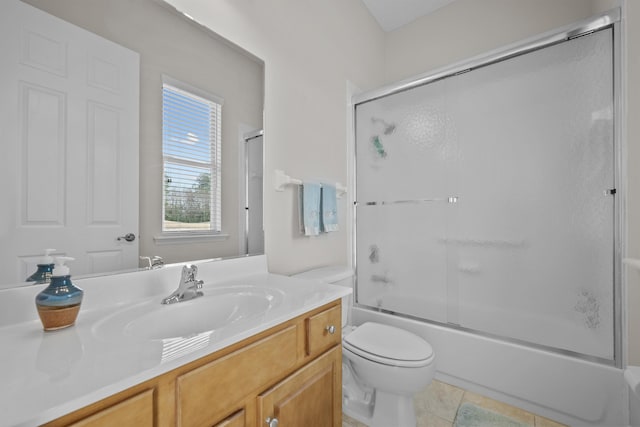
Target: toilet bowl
395,363
383,366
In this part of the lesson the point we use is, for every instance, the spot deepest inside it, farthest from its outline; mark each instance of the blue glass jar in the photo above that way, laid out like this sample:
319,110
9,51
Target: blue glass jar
59,303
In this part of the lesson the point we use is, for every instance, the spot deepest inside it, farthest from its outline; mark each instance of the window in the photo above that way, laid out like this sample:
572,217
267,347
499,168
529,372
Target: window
191,142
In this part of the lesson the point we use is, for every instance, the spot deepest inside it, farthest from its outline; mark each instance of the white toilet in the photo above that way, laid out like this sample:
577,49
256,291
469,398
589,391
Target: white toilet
383,366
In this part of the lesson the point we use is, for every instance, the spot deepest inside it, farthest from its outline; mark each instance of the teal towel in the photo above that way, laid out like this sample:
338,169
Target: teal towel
329,208
310,194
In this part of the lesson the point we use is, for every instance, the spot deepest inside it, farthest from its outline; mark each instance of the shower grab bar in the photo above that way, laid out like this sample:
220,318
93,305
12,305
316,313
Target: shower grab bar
452,199
281,180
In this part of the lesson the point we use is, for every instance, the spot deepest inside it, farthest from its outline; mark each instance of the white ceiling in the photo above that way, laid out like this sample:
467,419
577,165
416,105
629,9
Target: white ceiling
393,14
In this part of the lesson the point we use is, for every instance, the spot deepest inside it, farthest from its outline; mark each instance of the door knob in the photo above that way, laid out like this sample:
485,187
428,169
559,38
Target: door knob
272,422
129,237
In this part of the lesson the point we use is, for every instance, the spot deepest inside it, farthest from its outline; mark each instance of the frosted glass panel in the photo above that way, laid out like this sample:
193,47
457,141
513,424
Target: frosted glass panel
534,163
411,133
510,229
402,258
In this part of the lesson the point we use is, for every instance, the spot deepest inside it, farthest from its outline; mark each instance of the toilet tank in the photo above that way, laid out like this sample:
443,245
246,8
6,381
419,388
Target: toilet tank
335,274
340,275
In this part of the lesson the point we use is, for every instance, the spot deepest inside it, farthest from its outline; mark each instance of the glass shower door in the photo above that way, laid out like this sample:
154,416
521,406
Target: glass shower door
485,202
405,147
535,221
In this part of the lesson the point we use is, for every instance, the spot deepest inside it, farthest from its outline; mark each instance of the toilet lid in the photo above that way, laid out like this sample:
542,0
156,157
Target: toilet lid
388,344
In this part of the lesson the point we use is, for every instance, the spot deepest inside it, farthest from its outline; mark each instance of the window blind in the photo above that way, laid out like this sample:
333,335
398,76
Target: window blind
191,135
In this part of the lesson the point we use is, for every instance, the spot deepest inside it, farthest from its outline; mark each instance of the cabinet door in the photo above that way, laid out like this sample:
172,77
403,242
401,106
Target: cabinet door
311,397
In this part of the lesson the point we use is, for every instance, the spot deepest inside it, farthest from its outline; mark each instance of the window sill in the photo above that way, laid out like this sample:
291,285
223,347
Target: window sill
181,238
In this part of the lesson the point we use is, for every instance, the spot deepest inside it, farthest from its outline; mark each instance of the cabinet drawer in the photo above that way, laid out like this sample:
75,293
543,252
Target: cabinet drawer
324,330
134,411
235,420
211,392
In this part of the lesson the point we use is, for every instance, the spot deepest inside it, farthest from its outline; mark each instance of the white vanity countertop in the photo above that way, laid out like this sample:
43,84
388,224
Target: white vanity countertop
48,374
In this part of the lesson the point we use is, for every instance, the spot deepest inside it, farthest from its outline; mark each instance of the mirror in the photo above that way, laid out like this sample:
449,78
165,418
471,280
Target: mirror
168,44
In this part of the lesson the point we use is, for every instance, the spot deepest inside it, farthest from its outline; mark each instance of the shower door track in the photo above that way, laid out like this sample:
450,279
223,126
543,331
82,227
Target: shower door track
610,19
551,38
489,335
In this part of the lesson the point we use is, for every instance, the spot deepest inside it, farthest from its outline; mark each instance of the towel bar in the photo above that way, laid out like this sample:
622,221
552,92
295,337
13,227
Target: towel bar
281,180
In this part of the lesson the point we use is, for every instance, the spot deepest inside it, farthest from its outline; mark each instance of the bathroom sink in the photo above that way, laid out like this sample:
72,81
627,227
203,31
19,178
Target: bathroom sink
219,308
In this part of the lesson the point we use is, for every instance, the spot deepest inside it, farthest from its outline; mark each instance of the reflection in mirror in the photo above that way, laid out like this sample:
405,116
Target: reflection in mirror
84,120
253,167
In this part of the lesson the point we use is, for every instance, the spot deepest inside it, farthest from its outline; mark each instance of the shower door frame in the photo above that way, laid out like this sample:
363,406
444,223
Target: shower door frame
610,19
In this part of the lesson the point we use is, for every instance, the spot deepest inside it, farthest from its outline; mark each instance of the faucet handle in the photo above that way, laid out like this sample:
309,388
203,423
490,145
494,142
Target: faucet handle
148,259
155,262
189,272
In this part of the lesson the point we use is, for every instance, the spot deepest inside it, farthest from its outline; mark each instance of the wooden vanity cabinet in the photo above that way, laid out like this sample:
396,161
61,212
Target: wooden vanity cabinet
292,372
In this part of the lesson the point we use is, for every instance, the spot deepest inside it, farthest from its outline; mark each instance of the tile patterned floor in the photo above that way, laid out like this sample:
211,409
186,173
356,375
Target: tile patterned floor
438,404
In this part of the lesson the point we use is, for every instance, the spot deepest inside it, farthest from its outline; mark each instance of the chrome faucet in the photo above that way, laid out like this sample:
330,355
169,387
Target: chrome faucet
189,287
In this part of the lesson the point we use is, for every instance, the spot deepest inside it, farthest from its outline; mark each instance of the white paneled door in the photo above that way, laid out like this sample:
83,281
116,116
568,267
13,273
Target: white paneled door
69,137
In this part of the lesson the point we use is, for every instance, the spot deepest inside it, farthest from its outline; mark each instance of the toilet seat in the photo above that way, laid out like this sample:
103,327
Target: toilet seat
388,345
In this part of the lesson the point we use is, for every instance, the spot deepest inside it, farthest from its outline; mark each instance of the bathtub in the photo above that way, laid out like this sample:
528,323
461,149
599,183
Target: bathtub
632,375
566,389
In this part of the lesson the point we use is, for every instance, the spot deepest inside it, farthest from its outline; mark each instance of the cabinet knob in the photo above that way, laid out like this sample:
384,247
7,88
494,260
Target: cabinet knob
331,329
272,422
